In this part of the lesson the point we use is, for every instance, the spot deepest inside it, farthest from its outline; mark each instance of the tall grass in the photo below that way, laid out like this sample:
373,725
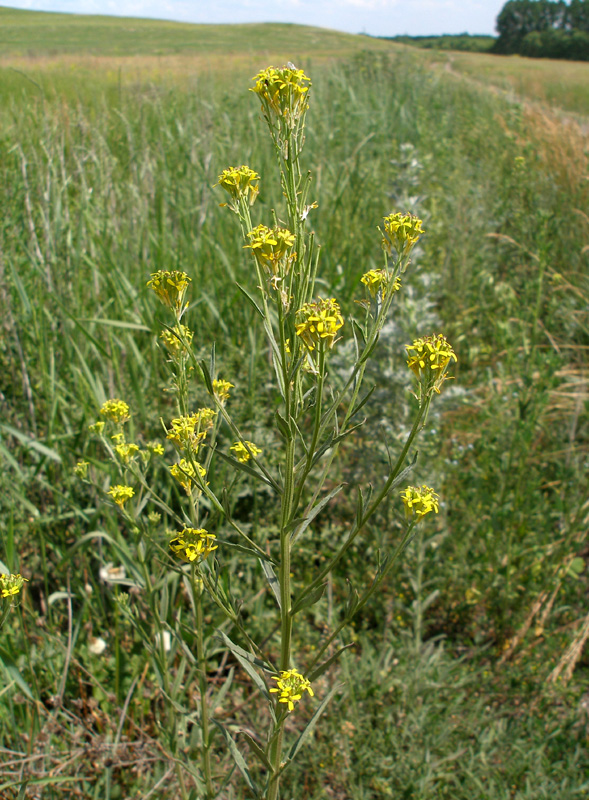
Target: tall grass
98,190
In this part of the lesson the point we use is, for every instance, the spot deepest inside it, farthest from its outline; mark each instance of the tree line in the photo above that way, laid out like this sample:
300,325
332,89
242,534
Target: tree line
544,29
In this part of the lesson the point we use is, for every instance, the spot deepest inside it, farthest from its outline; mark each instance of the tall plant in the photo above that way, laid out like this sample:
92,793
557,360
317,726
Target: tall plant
314,414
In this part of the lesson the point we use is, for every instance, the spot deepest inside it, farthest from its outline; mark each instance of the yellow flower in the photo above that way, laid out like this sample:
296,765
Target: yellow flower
321,321
189,432
193,544
126,452
401,233
283,92
240,183
419,501
177,338
10,585
272,248
116,411
185,474
81,469
290,684
120,494
155,448
241,451
377,280
221,389
96,427
170,286
428,358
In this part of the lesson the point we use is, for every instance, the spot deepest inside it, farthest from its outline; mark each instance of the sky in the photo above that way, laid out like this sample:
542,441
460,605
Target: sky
375,17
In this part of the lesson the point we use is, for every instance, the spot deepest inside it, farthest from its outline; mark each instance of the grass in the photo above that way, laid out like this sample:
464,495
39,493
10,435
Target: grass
563,85
104,181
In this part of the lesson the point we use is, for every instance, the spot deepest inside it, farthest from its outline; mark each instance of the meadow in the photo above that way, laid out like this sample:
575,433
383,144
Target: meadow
469,672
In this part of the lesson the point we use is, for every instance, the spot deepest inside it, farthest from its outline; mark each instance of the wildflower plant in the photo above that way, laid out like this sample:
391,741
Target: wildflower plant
313,414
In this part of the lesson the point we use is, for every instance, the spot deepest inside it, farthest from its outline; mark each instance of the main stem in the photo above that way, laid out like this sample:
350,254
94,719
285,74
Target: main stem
202,685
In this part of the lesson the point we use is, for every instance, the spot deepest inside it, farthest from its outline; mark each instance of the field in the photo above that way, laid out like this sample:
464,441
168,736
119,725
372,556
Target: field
468,674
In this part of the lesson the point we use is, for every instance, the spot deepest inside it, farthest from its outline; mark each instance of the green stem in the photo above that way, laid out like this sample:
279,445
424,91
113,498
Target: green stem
202,683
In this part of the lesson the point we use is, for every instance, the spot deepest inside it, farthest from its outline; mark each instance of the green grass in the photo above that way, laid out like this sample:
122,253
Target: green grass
35,34
104,181
563,85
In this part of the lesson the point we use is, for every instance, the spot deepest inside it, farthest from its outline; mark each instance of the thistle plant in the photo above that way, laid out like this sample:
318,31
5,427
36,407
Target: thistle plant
314,413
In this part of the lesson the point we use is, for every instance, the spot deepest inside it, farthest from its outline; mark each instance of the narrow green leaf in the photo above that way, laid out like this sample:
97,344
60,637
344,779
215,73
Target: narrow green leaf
318,671
308,600
33,444
363,402
257,750
249,663
272,580
238,758
246,468
311,725
14,673
315,511
248,296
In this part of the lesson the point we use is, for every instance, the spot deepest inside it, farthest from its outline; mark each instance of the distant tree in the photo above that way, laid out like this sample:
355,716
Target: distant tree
544,29
577,15
518,18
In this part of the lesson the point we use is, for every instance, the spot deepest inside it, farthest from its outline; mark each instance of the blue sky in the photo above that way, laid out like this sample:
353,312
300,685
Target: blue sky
377,17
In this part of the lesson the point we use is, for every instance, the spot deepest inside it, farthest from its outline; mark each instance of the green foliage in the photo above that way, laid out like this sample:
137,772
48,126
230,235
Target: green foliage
463,41
99,191
544,29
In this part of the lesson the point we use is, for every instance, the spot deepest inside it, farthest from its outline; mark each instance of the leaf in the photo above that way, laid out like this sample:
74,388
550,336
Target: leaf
13,672
249,662
206,376
250,551
311,725
363,402
272,580
249,470
315,511
257,750
248,296
220,696
238,758
318,671
283,426
33,444
307,600
576,567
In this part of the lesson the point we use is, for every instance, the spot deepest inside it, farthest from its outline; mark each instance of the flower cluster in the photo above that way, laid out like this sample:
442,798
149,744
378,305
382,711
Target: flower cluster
193,544
272,248
189,432
221,389
81,469
283,92
419,501
116,411
244,450
176,339
290,684
185,474
241,183
120,494
10,585
320,321
428,358
378,280
401,233
126,452
170,286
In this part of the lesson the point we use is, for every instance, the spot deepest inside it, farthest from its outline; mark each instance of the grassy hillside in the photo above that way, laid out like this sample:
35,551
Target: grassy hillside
29,33
562,84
